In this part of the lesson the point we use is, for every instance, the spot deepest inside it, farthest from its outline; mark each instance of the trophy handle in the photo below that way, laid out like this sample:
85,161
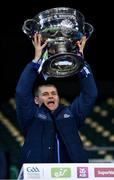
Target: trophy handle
30,27
88,29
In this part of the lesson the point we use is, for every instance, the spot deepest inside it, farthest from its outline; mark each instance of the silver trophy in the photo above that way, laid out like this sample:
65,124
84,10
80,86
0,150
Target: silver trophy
61,27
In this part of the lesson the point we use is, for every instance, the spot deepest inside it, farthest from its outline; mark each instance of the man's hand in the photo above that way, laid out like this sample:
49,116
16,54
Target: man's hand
81,44
37,43
85,71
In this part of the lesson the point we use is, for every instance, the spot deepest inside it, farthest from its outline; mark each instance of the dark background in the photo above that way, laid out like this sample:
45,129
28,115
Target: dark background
17,50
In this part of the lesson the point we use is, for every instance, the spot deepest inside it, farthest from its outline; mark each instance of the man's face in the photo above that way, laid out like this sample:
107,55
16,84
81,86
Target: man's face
49,96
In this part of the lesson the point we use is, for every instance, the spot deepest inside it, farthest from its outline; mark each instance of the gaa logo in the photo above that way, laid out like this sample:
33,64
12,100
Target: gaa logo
33,172
33,169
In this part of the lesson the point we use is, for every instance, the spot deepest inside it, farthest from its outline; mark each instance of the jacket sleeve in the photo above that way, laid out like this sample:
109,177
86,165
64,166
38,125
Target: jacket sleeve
25,105
83,104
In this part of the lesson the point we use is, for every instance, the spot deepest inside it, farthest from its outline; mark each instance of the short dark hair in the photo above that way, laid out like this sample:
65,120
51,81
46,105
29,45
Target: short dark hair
41,82
37,88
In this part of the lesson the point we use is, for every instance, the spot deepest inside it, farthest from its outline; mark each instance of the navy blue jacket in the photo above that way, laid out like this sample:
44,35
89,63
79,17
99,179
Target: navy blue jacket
41,127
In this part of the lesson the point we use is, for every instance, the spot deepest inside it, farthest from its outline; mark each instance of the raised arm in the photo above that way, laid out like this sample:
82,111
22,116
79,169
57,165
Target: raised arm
83,104
25,105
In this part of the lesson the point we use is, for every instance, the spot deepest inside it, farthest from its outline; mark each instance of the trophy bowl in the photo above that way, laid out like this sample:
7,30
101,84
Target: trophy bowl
61,27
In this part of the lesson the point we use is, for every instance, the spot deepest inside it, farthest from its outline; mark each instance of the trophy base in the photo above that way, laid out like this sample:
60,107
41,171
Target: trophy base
63,65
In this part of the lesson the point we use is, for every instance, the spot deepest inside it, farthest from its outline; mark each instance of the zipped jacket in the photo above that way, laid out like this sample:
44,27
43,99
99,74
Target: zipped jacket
41,127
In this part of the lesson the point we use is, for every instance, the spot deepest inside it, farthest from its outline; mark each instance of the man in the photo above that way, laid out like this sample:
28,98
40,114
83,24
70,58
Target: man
51,129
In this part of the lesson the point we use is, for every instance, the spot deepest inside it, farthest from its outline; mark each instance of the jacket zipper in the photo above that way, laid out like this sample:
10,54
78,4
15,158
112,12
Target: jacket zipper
58,149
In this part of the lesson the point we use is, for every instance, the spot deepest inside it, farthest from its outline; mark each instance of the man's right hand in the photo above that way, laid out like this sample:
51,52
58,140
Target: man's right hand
37,43
81,44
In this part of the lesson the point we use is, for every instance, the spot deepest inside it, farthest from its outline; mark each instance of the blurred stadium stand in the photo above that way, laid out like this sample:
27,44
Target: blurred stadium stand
97,133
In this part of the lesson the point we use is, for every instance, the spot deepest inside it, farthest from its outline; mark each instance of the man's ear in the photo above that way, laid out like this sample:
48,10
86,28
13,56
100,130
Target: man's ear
36,100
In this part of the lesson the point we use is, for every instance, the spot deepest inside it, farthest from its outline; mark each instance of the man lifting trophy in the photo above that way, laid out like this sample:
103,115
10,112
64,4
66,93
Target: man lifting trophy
51,129
62,27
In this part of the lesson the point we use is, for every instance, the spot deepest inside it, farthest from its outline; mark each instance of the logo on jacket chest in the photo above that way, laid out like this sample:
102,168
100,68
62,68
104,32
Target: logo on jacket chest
42,116
45,117
66,115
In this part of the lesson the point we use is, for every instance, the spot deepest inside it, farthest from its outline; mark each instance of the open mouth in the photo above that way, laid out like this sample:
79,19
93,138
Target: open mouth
51,102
